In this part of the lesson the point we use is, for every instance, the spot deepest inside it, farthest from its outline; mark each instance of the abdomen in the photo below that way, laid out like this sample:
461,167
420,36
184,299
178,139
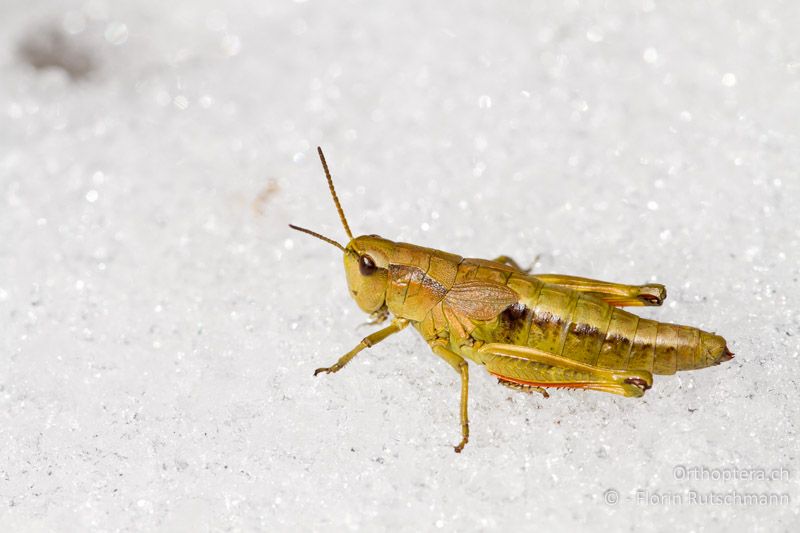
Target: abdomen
578,326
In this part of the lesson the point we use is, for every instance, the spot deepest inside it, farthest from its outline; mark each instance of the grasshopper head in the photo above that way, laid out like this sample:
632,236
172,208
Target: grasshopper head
366,258
366,267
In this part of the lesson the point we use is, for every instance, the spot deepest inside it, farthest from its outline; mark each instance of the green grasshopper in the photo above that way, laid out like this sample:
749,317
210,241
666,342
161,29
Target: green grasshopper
530,331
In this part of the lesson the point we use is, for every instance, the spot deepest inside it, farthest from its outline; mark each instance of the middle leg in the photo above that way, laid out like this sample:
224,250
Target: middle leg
506,260
459,365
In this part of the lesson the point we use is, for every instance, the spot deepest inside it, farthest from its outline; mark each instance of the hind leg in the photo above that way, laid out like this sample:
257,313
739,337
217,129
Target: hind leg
530,366
616,294
530,389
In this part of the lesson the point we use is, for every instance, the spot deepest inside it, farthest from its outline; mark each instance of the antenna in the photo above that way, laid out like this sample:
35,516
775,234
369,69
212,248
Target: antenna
335,198
318,236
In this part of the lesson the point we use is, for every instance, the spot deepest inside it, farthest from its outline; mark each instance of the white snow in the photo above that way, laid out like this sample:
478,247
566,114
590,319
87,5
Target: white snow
160,322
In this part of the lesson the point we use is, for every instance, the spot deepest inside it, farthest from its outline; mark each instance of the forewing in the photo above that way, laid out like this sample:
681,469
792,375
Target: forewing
480,300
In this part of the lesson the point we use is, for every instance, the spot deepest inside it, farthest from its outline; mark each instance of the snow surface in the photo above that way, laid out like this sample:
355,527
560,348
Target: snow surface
161,323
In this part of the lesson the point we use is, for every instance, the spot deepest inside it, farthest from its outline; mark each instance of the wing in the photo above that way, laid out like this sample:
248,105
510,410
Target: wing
480,300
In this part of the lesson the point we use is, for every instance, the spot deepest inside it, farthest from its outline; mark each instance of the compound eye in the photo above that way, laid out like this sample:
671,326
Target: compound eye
366,265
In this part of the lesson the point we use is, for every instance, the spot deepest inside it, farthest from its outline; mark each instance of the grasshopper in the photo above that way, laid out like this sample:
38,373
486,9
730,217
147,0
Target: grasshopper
530,331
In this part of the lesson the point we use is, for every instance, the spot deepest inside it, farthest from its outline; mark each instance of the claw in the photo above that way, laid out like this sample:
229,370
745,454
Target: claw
460,445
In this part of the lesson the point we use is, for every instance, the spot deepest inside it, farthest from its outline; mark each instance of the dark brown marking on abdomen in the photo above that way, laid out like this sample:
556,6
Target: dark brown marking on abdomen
512,324
587,330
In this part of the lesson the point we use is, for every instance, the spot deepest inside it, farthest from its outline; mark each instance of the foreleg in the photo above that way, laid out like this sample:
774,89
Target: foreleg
370,340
